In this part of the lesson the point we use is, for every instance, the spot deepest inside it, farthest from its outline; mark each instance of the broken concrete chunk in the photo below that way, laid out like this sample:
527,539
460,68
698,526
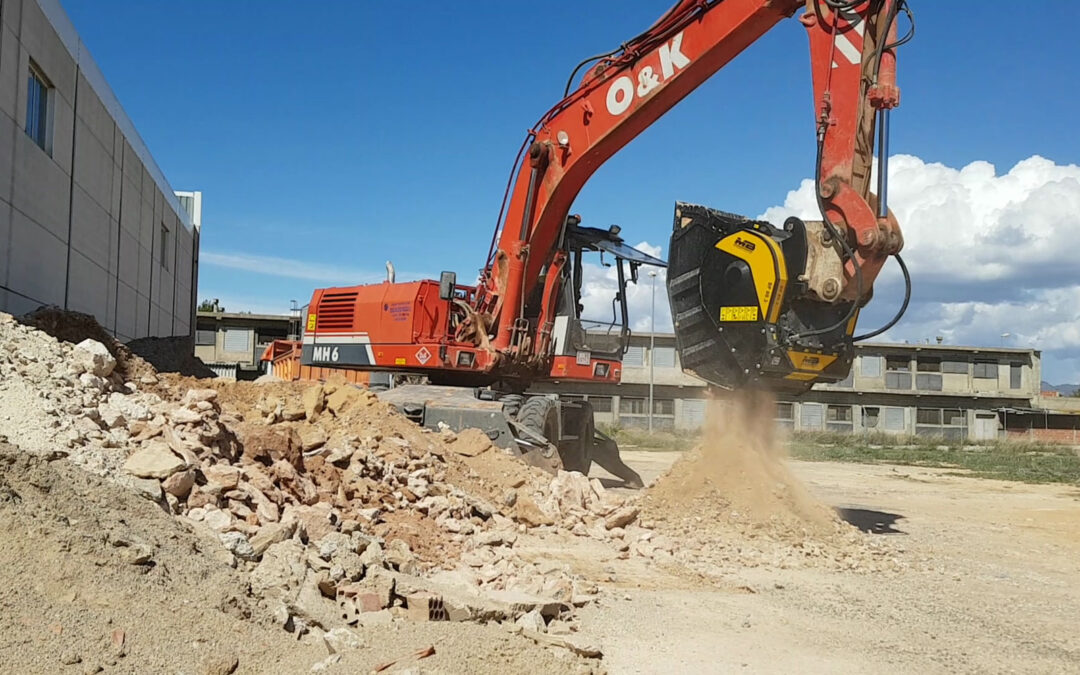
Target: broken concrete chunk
341,639
185,416
313,399
180,483
225,475
94,357
622,517
271,534
155,460
311,439
238,545
148,487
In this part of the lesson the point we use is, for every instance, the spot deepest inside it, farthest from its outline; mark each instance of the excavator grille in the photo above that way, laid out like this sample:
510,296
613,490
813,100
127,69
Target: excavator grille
337,311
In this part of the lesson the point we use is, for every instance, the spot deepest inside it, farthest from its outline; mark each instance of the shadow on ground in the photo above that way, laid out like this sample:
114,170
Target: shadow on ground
873,522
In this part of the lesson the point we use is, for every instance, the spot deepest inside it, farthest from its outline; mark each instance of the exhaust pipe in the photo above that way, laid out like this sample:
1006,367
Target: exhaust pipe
389,272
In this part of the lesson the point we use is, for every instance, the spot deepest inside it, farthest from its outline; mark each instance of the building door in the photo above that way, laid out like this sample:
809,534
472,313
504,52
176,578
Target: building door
986,426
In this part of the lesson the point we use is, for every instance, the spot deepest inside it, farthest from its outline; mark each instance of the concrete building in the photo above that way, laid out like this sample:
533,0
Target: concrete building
88,221
231,343
914,389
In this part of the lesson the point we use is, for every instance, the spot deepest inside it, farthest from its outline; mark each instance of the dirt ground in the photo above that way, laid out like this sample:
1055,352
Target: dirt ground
988,581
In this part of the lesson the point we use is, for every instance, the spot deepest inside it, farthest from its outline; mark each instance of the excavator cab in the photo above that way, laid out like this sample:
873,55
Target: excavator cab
758,305
592,348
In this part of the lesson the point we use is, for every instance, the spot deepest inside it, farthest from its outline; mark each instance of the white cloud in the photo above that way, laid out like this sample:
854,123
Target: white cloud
989,254
291,268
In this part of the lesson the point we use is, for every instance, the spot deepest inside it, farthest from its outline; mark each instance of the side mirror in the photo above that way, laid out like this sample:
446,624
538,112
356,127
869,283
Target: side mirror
447,283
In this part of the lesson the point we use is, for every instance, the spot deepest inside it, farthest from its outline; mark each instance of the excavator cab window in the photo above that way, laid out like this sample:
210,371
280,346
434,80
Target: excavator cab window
601,336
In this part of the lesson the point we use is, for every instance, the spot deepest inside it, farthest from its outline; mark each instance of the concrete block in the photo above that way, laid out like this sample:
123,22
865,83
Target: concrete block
132,165
35,249
91,228
5,240
89,287
145,275
147,220
8,131
12,14
142,316
130,205
40,187
9,69
92,112
117,185
126,309
129,259
63,137
93,166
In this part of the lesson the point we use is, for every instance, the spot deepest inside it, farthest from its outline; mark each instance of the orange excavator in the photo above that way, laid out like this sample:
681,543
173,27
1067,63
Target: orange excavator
754,304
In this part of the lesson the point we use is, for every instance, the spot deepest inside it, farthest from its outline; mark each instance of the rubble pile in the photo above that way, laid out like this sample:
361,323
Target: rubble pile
341,510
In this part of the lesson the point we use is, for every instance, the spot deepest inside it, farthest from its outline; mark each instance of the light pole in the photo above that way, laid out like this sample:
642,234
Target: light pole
652,344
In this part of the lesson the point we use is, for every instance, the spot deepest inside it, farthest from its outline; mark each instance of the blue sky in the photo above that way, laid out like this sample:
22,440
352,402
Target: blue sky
329,139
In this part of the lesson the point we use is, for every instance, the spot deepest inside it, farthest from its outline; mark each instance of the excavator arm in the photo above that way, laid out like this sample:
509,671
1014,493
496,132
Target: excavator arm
807,280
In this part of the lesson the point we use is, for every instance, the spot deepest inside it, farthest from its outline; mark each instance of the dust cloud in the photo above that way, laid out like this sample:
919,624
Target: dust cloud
739,472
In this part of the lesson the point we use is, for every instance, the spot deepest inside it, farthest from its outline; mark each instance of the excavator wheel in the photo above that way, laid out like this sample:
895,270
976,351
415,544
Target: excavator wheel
541,415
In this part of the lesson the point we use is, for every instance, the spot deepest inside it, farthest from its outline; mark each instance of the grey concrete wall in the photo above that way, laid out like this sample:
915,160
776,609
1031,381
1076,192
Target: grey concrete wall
81,221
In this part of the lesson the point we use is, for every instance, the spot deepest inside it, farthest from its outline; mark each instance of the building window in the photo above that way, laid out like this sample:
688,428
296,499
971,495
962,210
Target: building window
838,413
956,367
954,417
633,406
870,417
204,337
1016,375
663,406
928,416
600,404
928,381
663,357
634,357
928,364
164,246
870,366
38,105
898,380
897,363
986,370
785,411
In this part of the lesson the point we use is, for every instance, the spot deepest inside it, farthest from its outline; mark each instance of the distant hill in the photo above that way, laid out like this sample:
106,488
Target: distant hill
1063,389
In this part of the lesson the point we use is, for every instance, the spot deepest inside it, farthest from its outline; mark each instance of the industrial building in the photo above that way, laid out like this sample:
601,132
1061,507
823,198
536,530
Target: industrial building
909,389
88,221
231,343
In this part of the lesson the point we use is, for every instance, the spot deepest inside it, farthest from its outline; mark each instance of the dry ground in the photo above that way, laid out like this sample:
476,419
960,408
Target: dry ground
990,583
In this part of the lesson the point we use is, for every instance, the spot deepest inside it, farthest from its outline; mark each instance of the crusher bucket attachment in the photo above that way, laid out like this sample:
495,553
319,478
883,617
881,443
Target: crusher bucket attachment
754,305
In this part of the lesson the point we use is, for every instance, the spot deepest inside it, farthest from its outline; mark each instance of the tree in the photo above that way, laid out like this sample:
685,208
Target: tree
210,306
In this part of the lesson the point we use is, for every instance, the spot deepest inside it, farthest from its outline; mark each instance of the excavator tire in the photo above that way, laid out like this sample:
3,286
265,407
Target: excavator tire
541,415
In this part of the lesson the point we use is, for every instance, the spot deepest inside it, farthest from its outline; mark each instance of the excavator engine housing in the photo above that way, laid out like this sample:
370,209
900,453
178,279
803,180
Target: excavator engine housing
745,311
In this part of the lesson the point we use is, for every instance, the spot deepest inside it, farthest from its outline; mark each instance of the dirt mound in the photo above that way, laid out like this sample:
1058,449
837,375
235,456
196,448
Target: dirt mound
94,577
74,327
733,499
171,355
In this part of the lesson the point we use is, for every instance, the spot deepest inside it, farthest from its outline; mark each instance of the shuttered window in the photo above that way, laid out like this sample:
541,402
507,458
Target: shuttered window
663,357
634,357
